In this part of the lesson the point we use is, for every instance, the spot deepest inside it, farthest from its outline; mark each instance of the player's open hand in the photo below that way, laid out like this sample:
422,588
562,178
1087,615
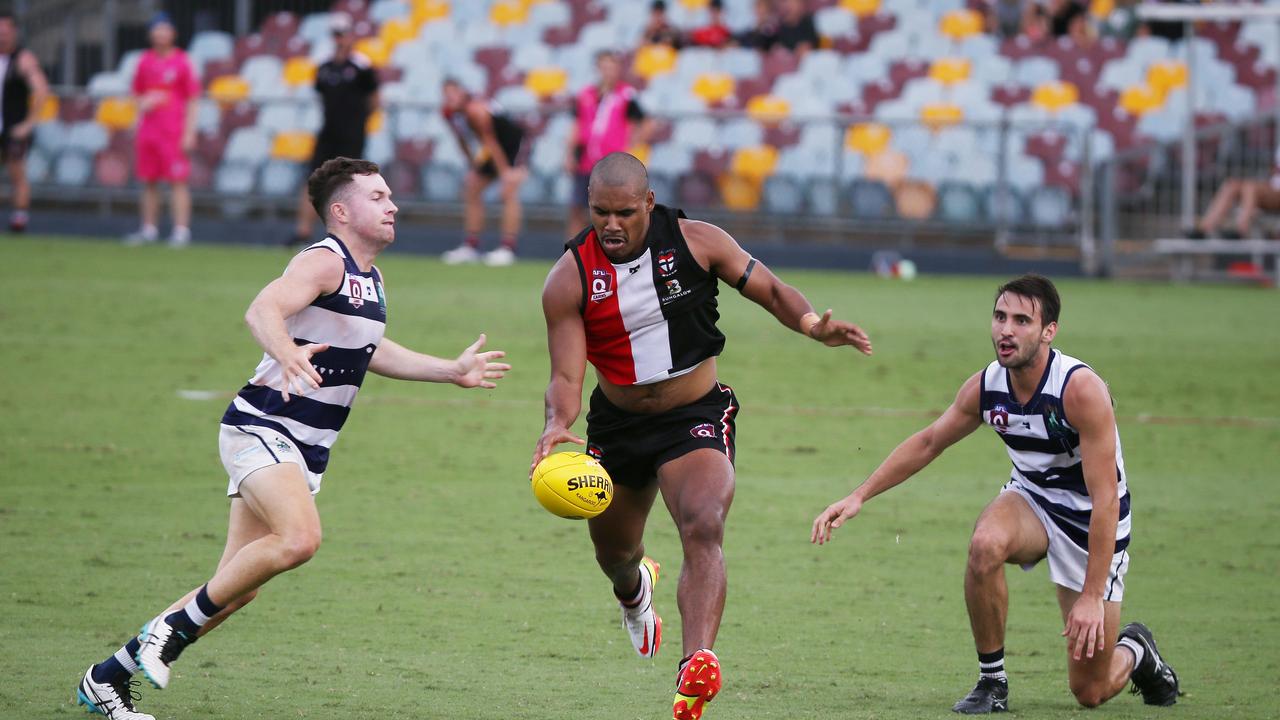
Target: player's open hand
1085,632
833,517
478,369
834,333
551,437
300,376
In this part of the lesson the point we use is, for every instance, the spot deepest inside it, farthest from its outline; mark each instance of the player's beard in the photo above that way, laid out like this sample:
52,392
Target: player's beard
1021,357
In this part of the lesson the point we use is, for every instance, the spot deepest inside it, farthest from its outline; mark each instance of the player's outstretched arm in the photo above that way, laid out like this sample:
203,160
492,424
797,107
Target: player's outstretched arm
471,369
567,344
956,422
1088,403
732,264
311,274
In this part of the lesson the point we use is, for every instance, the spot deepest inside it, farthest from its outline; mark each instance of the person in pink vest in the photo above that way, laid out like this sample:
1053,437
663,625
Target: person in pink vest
166,88
609,119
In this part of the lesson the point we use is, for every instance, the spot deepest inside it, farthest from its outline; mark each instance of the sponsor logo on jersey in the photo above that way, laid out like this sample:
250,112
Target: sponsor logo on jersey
601,285
705,430
1000,419
667,262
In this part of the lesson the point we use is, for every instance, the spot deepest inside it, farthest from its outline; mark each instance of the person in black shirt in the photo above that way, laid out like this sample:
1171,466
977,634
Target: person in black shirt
348,88
796,31
23,89
494,143
765,32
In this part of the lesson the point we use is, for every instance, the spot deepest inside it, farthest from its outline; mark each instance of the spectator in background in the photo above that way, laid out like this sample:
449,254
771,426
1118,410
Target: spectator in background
715,34
659,30
1035,24
1005,18
166,88
1065,16
1122,22
348,89
23,90
609,119
765,32
1245,195
495,144
796,30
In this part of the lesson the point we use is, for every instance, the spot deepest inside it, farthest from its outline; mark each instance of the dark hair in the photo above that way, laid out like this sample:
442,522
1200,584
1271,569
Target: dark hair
1040,290
332,176
658,6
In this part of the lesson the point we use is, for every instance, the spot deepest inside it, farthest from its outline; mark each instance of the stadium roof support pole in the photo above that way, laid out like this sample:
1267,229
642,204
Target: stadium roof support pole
1188,15
244,15
110,16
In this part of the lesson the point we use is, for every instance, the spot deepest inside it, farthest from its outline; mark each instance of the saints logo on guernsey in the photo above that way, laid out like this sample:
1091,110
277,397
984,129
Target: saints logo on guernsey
1045,449
653,318
351,320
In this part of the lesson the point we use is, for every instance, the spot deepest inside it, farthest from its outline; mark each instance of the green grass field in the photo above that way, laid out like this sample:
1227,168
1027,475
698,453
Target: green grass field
444,591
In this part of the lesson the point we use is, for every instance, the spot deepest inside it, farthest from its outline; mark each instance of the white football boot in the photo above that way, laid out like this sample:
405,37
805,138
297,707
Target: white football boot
461,255
115,701
500,257
161,645
641,621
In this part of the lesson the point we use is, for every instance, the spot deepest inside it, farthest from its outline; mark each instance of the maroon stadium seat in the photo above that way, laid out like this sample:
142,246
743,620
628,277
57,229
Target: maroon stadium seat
280,25
111,169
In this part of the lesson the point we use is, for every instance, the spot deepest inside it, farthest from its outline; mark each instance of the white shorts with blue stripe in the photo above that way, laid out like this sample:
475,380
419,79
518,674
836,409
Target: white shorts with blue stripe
1067,560
245,449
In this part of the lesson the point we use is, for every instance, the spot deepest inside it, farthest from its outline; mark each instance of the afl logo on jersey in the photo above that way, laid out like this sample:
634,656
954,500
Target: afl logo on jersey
601,285
667,262
1000,419
356,292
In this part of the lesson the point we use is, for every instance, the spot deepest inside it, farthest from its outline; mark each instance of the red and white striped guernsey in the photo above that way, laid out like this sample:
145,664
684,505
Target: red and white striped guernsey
653,318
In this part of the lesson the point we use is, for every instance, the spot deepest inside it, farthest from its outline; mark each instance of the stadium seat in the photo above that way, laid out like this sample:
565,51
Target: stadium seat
959,202
861,8
293,146
1049,207
280,178
654,60
299,71
235,178
38,166
697,190
696,132
822,196
87,137
784,195
915,200
229,89
1004,204
441,183
1034,71
1054,96
670,159
1166,75
740,133
73,168
960,24
516,99
249,145
768,109
209,45
714,87
870,200
376,50
546,82
754,163
835,22
740,193
278,116
381,11
109,84
950,71
1140,100
939,115
117,113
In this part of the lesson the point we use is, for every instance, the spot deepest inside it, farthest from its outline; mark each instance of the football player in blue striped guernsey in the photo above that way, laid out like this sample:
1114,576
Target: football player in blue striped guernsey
1067,501
321,326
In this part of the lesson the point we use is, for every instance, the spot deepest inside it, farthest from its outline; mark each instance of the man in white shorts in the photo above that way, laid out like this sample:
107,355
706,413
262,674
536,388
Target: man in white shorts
321,326
1067,500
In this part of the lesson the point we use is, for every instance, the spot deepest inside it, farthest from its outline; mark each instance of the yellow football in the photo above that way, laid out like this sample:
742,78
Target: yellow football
572,485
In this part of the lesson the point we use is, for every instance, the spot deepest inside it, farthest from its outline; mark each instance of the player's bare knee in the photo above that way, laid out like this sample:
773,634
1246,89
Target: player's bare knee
701,528
300,546
988,550
616,562
1088,694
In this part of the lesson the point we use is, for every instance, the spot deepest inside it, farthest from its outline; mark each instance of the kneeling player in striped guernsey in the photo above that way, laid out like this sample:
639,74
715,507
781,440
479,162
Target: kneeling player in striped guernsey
1068,500
321,326
635,294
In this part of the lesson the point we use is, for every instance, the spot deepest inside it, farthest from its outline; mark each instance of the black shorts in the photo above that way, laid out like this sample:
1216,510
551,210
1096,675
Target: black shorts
632,446
12,148
512,148
328,148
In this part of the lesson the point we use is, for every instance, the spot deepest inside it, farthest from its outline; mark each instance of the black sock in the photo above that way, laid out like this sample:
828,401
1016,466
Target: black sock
991,665
194,615
634,597
114,666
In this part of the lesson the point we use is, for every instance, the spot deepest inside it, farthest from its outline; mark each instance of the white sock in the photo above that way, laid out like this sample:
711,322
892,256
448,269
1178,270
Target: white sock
150,232
126,661
181,231
1136,648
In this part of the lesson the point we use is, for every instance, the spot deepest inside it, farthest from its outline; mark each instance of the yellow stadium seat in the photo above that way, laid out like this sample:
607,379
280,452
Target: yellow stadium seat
713,87
1140,100
546,82
867,138
740,193
960,24
508,12
1100,9
426,11
294,145
695,5
938,115
950,71
1166,75
229,89
116,113
374,49
641,152
299,71
756,163
889,167
1054,96
861,8
50,110
654,60
769,109
394,32
375,122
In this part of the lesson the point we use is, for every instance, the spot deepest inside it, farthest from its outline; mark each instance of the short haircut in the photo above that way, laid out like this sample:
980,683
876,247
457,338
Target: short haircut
619,169
1040,290
332,177
658,6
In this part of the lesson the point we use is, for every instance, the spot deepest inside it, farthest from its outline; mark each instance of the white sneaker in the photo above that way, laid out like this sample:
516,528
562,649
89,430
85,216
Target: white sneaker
161,645
113,701
460,255
145,236
501,257
642,623
180,237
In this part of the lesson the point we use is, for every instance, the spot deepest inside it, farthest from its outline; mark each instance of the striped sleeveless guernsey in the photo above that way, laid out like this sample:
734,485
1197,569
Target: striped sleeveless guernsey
1045,449
650,319
352,321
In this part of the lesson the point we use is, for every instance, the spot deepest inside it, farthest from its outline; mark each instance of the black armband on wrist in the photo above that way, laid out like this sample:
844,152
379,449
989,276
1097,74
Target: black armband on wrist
746,274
